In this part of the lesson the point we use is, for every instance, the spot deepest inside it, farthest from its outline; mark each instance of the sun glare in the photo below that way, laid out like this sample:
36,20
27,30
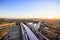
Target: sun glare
50,17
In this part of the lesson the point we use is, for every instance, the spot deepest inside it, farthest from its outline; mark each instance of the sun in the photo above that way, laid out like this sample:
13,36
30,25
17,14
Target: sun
50,17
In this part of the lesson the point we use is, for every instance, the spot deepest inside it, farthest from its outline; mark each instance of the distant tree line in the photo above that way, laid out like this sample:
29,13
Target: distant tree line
4,21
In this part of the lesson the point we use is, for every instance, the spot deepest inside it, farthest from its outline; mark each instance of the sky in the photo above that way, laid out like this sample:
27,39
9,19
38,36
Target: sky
29,8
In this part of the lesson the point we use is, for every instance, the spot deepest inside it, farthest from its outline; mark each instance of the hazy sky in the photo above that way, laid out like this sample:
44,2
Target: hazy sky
17,8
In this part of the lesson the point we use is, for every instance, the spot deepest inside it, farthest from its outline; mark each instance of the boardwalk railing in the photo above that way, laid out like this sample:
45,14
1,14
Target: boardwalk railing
24,33
30,34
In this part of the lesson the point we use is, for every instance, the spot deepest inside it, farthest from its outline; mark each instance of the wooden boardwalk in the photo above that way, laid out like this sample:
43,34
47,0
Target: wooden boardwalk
14,34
